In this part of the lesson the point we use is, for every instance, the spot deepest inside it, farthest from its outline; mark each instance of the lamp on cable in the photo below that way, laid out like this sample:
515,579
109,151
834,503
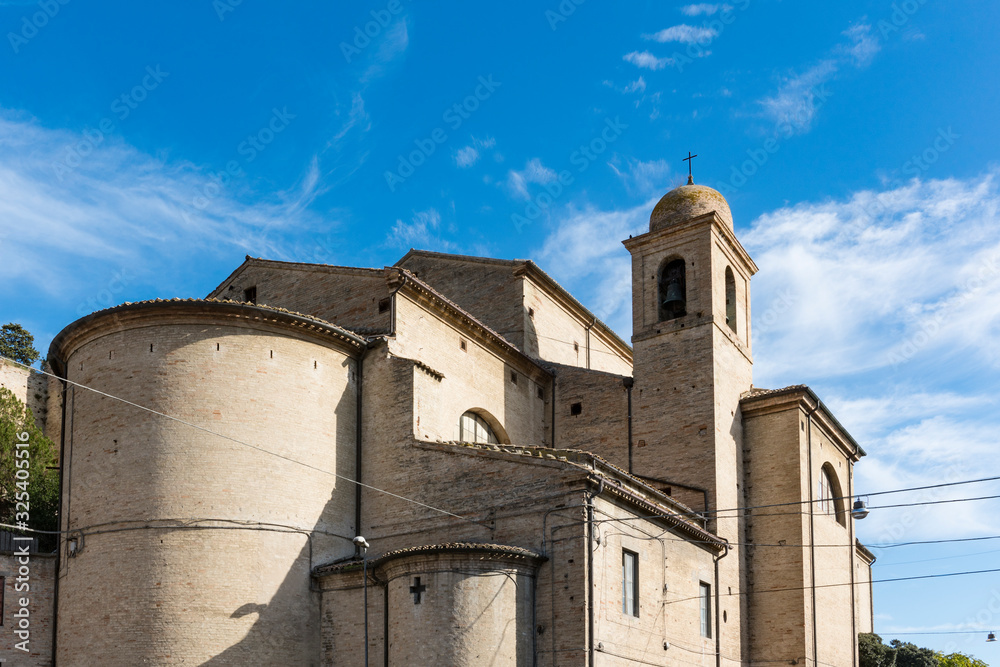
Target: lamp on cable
991,637
860,509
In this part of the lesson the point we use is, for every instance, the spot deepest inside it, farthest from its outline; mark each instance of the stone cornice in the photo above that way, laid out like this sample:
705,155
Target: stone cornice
402,280
758,402
718,225
179,311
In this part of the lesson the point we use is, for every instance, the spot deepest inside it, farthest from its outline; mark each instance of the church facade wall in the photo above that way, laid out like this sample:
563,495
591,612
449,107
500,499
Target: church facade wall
348,296
30,388
488,289
601,424
479,377
671,573
220,576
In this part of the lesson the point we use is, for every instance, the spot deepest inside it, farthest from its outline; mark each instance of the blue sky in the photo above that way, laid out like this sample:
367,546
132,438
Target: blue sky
146,148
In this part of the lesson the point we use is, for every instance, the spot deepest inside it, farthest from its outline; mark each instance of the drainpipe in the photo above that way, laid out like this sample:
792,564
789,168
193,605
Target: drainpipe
718,612
385,623
553,411
629,382
812,534
851,550
59,540
357,451
589,327
591,643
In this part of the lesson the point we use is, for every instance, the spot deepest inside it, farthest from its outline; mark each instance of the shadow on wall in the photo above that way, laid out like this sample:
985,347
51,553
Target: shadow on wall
291,619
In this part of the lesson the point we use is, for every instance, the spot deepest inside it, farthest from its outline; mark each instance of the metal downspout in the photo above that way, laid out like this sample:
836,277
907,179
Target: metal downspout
59,540
718,625
812,536
591,643
629,383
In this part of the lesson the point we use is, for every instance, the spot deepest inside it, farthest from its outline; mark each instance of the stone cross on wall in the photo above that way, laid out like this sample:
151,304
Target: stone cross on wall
417,589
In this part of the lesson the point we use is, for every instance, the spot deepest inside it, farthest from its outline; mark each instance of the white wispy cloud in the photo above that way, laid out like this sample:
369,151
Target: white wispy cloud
357,117
881,278
793,107
705,8
584,252
68,225
644,178
862,45
466,156
391,48
683,33
422,230
534,172
646,60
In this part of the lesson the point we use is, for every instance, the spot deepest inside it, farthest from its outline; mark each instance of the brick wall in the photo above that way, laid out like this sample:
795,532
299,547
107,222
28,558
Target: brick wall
199,586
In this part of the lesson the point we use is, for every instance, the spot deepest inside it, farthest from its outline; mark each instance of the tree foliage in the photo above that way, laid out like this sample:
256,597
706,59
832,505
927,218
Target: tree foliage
959,660
17,344
873,653
34,482
911,655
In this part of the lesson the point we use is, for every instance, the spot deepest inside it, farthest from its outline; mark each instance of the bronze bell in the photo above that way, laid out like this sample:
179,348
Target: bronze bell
674,299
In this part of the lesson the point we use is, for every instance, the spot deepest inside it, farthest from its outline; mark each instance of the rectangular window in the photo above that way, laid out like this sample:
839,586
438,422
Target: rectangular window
630,583
250,295
706,610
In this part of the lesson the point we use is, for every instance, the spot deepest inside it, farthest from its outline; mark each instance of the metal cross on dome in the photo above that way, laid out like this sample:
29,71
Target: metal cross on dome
688,160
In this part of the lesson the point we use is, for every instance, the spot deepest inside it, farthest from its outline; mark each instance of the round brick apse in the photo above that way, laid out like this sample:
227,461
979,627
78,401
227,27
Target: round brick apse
188,547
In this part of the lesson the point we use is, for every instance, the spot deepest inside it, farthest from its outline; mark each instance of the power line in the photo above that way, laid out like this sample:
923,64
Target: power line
442,511
246,444
846,583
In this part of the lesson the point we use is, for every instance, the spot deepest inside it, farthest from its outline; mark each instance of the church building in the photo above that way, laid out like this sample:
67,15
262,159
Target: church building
452,462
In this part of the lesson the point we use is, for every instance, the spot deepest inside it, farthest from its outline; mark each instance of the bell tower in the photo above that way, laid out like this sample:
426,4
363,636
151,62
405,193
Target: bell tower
691,364
692,353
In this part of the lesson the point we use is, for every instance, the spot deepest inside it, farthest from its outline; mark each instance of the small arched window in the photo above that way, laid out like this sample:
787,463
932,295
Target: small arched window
473,428
672,290
829,499
730,299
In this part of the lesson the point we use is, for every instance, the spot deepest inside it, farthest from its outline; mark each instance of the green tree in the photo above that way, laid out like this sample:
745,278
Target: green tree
911,655
17,344
873,653
27,477
959,660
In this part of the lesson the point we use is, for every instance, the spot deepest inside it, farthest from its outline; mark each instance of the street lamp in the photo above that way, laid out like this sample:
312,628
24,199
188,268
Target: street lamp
860,510
362,545
991,637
